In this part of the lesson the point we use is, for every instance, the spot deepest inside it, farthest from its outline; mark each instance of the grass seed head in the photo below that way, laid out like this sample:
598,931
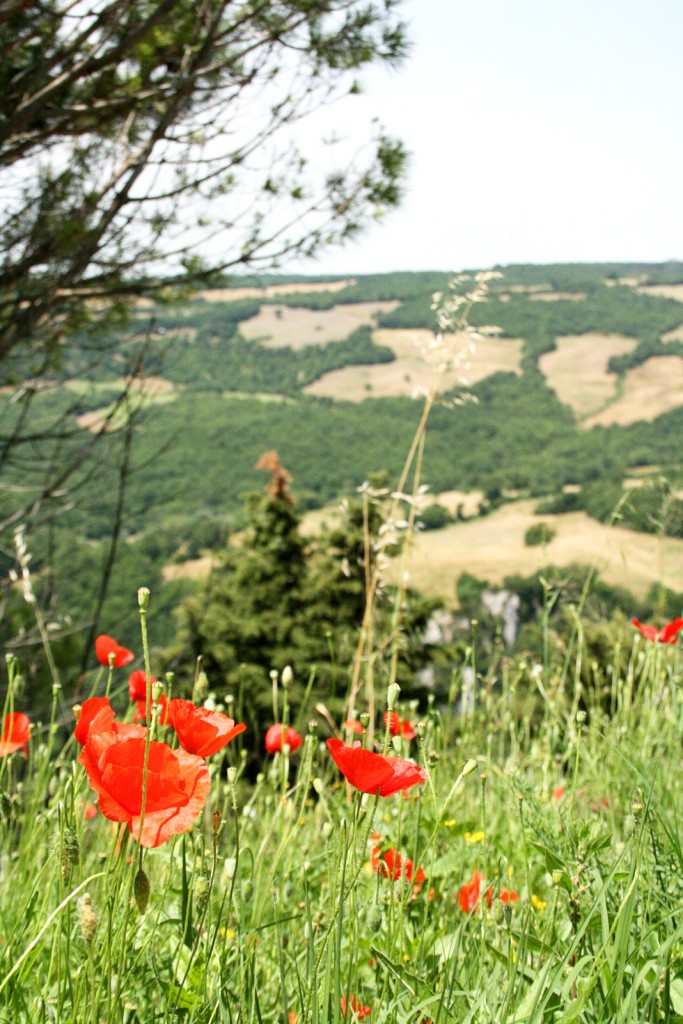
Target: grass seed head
87,918
141,890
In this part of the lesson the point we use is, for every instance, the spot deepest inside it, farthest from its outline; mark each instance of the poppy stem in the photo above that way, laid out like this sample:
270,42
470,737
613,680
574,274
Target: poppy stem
143,601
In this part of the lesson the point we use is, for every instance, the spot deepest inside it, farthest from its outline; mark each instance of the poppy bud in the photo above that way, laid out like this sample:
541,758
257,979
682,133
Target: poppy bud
232,775
580,717
364,719
375,919
141,890
201,687
469,767
392,695
202,891
69,852
143,598
87,917
157,690
287,676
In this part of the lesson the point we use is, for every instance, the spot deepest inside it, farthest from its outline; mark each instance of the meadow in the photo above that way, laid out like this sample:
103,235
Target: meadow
518,859
252,842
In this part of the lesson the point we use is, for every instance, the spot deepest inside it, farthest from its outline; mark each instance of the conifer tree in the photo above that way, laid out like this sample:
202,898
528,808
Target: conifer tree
250,618
276,600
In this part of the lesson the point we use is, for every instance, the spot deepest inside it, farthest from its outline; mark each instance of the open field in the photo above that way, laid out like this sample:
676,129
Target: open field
418,366
650,390
271,290
577,369
675,335
493,547
665,291
557,296
285,326
468,501
143,391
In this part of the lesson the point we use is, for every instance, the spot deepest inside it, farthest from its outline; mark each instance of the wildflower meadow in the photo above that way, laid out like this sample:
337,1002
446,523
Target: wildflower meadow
508,849
521,862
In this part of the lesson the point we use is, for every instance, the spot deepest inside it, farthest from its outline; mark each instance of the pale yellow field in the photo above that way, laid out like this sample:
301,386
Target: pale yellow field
493,547
557,296
146,390
649,391
278,326
417,366
192,569
666,291
470,501
577,369
675,335
235,294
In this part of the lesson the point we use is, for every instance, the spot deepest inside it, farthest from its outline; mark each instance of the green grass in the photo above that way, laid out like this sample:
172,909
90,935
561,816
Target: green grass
270,906
559,789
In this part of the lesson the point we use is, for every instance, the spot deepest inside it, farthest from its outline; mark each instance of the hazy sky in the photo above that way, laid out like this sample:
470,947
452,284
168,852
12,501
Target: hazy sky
540,131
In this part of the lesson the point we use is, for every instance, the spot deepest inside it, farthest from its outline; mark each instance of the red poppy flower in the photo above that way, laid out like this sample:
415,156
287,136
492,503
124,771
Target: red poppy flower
509,896
106,645
468,894
89,811
399,726
16,732
355,1006
177,783
89,711
667,635
164,715
373,773
201,731
394,865
137,685
97,715
277,736
353,725
558,793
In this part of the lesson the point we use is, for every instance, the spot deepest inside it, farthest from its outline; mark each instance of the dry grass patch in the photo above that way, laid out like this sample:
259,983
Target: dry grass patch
664,291
577,369
675,335
317,520
493,547
417,366
192,569
557,296
143,391
650,390
468,501
285,326
236,294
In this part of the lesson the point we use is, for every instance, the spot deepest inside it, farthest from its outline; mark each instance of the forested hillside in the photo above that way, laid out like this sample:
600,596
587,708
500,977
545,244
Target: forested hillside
572,391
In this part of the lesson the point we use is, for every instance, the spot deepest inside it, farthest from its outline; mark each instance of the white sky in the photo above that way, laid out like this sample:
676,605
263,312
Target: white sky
540,131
